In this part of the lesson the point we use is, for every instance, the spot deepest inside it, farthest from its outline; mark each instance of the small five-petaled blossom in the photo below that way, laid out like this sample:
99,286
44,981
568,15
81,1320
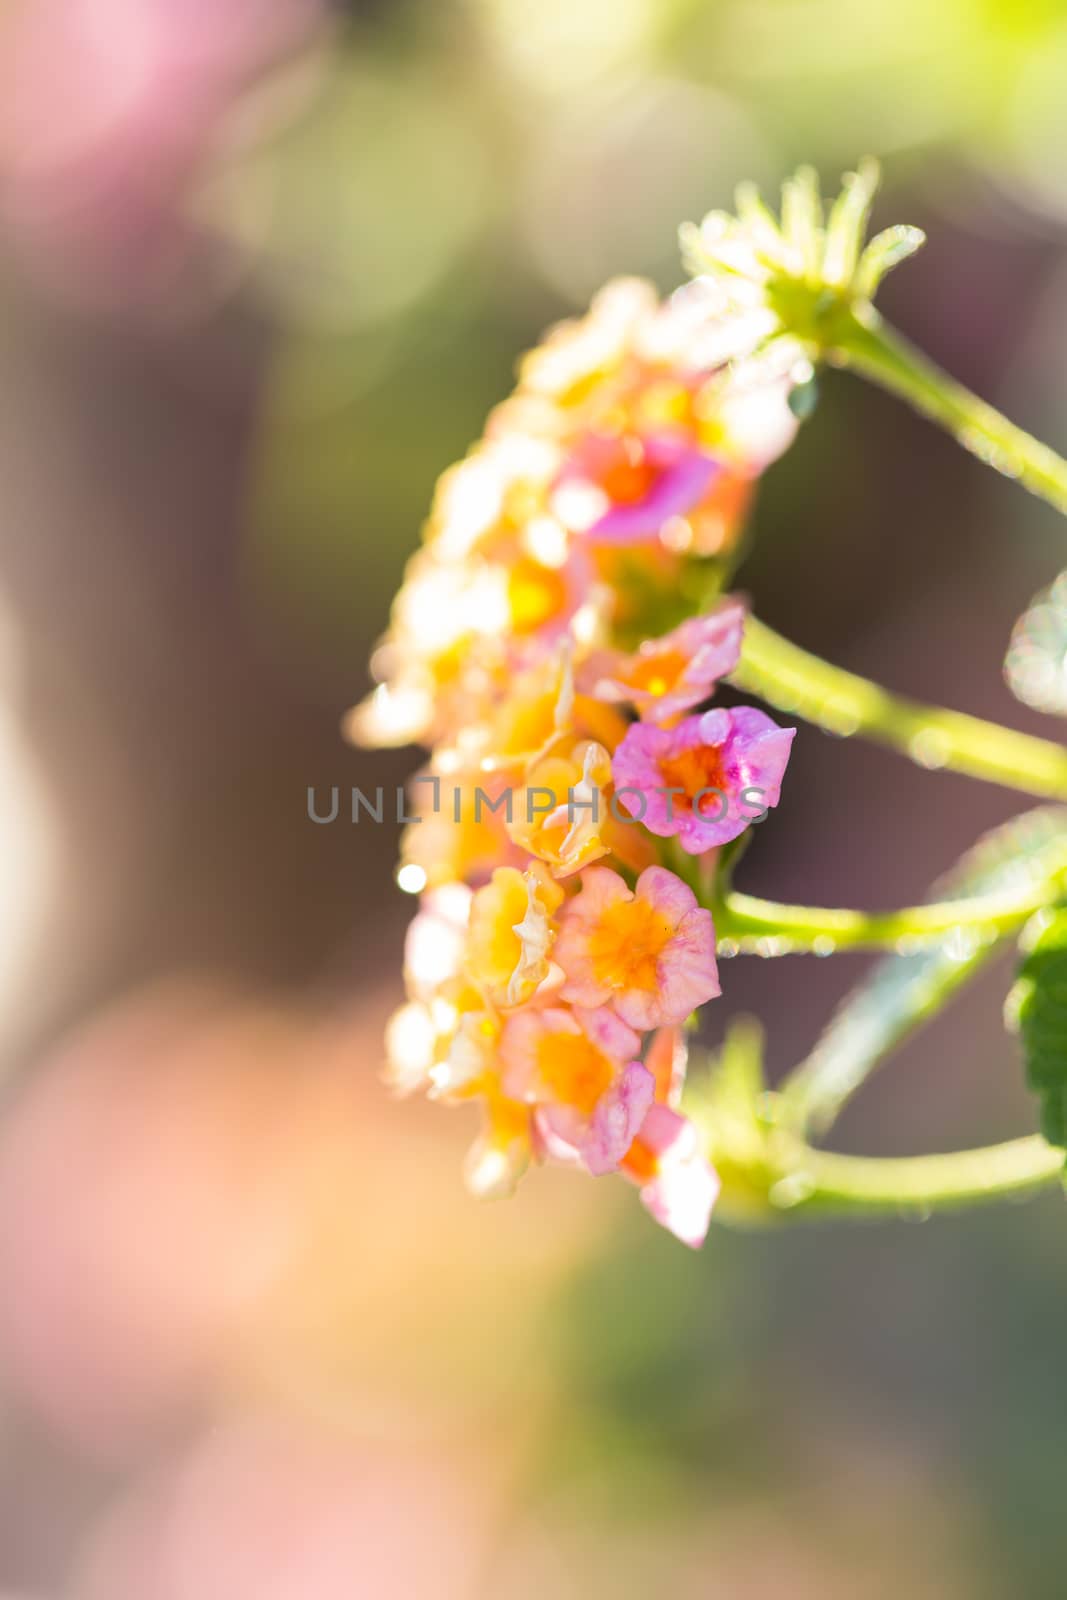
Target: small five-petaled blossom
705,780
670,675
649,951
577,1068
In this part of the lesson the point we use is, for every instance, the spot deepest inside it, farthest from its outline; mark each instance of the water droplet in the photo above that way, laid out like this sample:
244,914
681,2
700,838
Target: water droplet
823,945
791,1190
804,398
960,944
929,748
1006,461
767,1107
840,720
976,442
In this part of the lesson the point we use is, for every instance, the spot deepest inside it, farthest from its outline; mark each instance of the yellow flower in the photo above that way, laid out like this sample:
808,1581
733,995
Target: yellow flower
560,812
512,933
537,708
461,834
577,357
502,1151
421,1039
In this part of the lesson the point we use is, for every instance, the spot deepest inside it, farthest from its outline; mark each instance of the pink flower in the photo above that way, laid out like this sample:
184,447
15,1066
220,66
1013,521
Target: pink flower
622,486
667,1058
577,1069
619,1115
670,675
650,951
678,1184
704,780
678,479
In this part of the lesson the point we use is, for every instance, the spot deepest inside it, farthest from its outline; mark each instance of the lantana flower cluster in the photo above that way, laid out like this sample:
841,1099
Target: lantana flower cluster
556,643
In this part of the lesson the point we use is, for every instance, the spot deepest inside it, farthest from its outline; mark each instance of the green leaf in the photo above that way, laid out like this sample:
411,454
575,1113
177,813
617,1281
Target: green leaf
1038,1008
1036,664
901,991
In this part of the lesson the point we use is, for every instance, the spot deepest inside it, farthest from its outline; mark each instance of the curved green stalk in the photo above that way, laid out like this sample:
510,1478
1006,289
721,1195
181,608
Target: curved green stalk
770,927
799,683
866,344
769,1171
901,991
825,1183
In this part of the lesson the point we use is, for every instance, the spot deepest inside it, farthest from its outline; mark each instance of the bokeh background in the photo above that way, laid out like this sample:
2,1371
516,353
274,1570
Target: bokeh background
264,266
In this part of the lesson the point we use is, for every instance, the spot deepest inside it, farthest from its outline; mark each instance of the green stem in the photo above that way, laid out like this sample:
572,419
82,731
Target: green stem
798,683
823,1182
866,344
798,1177
799,929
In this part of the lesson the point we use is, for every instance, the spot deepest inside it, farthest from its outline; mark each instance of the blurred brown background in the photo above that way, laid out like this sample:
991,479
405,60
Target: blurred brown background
265,266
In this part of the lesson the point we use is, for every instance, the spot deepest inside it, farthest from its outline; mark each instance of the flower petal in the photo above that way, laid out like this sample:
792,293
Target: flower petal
617,1119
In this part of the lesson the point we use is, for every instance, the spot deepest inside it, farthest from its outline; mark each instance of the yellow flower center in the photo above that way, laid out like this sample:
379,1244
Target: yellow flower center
627,943
573,1070
664,403
627,476
508,1120
659,672
528,718
536,594
639,1161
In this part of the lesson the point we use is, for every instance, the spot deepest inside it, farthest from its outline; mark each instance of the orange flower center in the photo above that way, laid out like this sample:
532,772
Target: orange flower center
627,476
691,771
627,943
536,594
509,1121
573,1070
659,672
640,1162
